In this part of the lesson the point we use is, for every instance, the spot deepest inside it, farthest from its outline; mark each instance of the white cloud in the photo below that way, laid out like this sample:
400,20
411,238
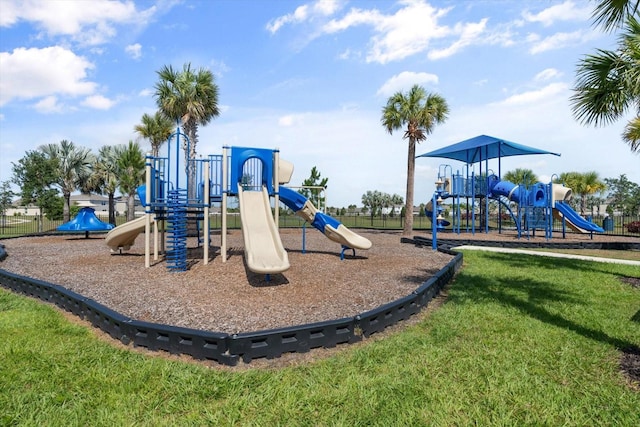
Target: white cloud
34,73
306,12
404,81
299,15
567,11
469,34
290,120
98,102
407,32
411,29
87,22
535,96
558,41
146,93
547,74
134,50
49,105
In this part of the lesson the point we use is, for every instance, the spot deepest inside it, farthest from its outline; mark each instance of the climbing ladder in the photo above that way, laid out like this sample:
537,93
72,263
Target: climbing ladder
176,256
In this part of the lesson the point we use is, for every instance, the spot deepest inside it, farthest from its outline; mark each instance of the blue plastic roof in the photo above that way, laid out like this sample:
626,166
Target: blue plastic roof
484,147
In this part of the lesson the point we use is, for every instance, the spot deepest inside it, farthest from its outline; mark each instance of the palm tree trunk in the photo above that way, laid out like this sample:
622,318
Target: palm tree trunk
131,207
411,169
191,129
66,210
112,209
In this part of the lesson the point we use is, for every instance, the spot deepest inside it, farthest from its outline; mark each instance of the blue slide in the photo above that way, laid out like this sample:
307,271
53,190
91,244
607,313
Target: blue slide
327,225
575,219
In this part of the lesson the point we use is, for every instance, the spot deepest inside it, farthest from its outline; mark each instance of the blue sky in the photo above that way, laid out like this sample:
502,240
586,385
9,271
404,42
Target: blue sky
310,78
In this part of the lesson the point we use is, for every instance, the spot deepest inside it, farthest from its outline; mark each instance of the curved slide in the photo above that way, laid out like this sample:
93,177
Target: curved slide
123,236
327,225
574,220
428,212
263,247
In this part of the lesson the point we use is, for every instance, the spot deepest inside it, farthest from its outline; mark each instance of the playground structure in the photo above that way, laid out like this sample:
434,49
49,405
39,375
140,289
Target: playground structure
179,191
86,220
531,208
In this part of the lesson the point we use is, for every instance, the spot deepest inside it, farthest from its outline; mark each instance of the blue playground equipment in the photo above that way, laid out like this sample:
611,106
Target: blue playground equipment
179,191
530,208
86,220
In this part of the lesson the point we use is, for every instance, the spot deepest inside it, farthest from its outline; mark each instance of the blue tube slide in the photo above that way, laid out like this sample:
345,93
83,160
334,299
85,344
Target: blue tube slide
504,188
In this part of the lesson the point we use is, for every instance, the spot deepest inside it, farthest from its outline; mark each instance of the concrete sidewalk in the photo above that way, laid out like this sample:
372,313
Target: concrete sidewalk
548,254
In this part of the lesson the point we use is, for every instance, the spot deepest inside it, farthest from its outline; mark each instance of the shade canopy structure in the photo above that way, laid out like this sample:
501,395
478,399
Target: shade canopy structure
484,147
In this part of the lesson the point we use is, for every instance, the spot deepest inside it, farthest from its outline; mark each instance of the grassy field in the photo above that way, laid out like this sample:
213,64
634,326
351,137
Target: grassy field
627,254
521,340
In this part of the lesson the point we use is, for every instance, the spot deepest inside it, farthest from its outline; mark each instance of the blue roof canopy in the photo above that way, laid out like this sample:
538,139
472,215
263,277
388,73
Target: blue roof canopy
483,147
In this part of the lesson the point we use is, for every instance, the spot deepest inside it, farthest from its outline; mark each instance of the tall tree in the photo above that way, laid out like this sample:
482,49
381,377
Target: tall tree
419,112
36,175
583,185
315,194
623,194
105,175
395,200
608,82
589,184
130,164
521,176
74,169
156,129
6,197
189,97
372,201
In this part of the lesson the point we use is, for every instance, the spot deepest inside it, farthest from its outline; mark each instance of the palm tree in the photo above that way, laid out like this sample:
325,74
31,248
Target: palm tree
105,176
157,129
190,98
589,183
419,112
521,176
74,168
583,185
610,14
131,168
608,82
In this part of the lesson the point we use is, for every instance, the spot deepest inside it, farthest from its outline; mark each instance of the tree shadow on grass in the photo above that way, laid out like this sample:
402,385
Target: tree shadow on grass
548,264
530,297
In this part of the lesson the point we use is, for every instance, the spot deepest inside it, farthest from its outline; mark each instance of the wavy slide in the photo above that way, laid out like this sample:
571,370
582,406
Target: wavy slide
327,225
263,247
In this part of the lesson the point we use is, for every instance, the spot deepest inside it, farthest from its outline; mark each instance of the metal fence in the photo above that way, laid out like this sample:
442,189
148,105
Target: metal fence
12,226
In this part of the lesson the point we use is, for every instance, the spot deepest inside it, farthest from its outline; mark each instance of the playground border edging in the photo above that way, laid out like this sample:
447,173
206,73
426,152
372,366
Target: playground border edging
228,349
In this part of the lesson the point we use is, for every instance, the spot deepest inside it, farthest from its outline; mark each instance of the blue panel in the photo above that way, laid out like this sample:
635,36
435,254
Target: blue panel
239,155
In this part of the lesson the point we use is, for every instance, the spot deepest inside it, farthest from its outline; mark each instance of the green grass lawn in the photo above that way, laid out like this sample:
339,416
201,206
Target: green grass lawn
521,340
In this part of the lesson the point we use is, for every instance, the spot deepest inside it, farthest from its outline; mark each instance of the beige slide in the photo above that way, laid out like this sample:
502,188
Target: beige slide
263,249
346,237
123,236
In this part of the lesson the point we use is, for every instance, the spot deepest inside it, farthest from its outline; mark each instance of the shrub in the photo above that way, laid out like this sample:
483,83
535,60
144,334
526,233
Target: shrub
633,227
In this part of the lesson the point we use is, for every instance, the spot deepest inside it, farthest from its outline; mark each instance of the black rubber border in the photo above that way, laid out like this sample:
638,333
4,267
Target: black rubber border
228,349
